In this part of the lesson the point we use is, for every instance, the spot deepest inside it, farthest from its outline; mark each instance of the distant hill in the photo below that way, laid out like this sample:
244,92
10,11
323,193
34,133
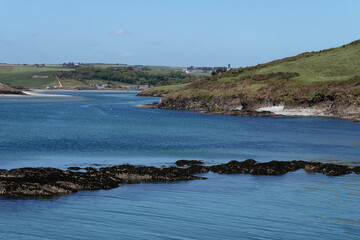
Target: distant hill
324,83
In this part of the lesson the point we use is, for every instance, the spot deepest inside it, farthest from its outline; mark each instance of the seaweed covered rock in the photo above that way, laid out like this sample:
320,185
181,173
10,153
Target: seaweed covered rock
234,166
181,163
46,182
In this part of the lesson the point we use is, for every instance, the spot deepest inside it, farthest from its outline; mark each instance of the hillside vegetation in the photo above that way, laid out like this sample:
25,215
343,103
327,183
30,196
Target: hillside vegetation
328,77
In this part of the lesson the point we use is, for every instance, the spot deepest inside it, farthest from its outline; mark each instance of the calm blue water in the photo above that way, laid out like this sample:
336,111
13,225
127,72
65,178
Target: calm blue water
105,128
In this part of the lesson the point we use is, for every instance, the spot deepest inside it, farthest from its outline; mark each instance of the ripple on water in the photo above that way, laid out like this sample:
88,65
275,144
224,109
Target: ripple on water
293,206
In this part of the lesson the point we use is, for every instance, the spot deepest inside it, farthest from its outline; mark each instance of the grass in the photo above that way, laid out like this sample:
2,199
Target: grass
333,64
327,73
108,65
23,76
339,64
164,89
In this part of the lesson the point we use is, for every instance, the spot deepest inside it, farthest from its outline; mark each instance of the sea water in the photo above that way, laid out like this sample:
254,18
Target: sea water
105,128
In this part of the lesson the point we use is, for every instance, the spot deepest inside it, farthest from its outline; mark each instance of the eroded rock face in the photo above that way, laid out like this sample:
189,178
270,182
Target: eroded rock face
46,182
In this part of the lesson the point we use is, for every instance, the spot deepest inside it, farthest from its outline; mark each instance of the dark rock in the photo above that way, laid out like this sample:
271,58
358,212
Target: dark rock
181,163
234,166
276,167
313,167
356,170
23,182
193,169
335,169
46,182
327,169
74,168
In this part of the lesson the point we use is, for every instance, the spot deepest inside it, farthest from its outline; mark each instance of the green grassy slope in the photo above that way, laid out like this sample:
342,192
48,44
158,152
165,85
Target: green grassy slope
333,64
299,76
327,81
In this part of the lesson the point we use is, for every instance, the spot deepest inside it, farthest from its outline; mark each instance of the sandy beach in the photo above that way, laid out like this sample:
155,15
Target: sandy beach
47,92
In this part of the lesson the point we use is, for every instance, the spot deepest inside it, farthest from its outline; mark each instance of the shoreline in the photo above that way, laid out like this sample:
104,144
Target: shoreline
275,111
83,90
45,92
235,107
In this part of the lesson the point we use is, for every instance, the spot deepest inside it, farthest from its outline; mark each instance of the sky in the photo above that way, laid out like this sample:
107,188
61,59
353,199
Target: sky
172,33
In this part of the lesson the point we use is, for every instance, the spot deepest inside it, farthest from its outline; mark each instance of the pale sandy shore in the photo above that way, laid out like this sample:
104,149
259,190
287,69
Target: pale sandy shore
47,92
281,110
82,90
33,94
39,94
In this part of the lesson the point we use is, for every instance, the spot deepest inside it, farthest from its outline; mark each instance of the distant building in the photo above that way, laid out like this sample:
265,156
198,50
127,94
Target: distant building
101,85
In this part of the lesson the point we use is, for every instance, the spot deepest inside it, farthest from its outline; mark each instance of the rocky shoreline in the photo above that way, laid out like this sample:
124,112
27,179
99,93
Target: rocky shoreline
237,107
6,90
48,182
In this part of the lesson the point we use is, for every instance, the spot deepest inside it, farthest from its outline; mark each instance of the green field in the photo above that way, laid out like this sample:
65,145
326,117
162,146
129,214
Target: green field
23,76
31,76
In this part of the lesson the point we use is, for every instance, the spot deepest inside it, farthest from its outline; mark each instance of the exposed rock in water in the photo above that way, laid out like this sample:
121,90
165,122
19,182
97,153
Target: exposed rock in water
356,170
46,182
328,169
51,181
74,168
181,163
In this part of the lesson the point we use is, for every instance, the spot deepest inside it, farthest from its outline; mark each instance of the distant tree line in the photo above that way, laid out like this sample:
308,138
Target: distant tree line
128,75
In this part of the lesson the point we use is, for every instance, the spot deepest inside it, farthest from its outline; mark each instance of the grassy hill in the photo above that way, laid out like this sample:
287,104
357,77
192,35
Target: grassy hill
306,80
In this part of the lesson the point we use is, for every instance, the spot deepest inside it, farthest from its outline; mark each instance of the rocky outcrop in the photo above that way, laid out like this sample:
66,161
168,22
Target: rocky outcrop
151,93
272,94
238,107
4,89
47,182
52,181
182,163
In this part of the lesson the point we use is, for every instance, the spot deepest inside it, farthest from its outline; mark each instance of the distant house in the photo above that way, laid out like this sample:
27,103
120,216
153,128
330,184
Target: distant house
100,85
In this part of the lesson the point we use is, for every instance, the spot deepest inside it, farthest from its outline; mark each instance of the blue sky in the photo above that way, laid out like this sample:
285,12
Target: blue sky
176,33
